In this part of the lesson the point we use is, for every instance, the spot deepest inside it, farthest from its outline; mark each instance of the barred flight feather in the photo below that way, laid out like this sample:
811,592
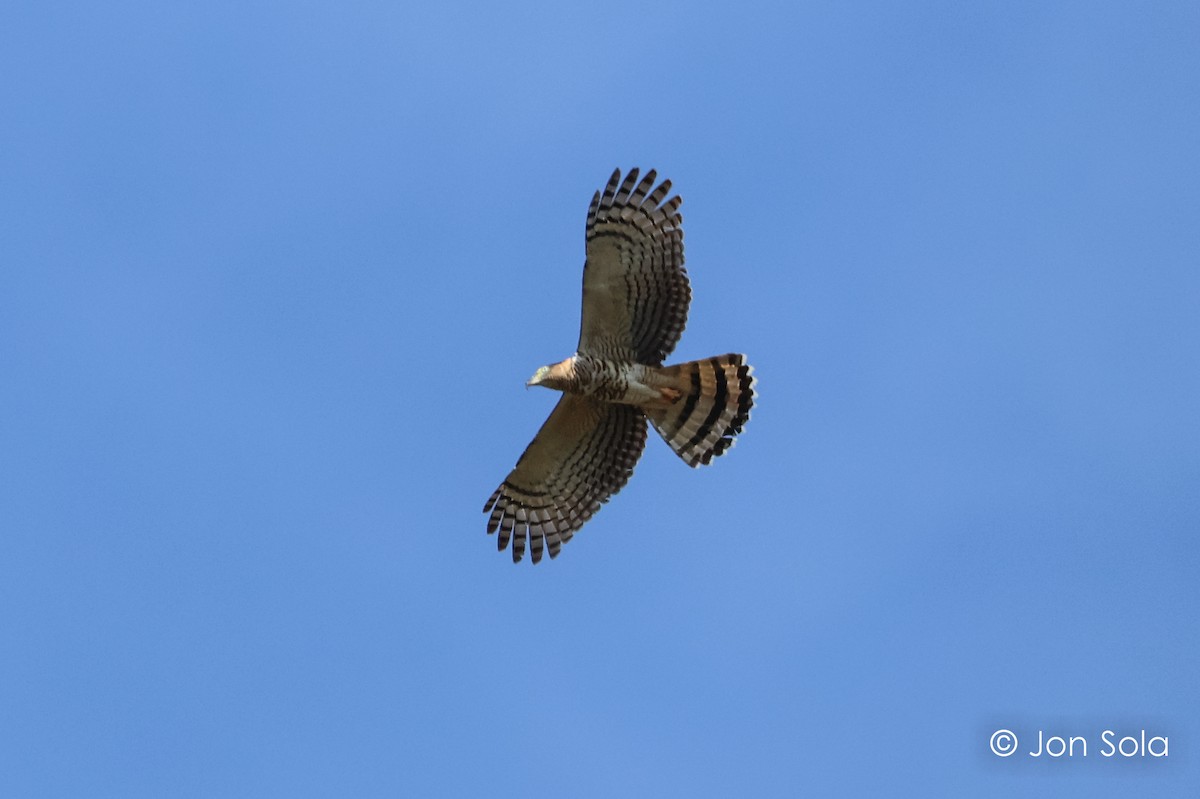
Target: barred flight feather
584,453
634,269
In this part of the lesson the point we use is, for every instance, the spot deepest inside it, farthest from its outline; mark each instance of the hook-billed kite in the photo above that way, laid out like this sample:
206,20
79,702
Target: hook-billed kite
635,306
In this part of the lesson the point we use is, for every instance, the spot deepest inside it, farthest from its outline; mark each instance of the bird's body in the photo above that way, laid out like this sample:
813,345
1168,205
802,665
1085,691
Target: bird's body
635,304
610,381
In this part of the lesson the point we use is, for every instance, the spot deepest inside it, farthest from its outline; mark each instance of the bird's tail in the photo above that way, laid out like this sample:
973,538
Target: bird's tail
716,395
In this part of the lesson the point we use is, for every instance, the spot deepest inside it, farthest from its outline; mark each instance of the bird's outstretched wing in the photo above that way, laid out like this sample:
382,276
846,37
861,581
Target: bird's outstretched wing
584,453
635,289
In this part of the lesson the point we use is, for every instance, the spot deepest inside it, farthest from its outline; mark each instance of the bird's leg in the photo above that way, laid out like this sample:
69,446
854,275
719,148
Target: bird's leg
671,395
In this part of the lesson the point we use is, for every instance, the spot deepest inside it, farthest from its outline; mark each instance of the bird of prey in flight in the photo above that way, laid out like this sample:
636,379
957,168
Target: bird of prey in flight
635,306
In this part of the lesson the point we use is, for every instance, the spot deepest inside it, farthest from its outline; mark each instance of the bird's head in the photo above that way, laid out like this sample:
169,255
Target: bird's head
556,375
539,377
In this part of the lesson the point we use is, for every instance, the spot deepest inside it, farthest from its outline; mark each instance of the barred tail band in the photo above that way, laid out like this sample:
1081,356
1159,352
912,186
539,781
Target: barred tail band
717,394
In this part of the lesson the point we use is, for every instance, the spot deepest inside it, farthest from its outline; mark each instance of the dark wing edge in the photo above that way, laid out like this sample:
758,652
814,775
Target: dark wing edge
635,288
583,455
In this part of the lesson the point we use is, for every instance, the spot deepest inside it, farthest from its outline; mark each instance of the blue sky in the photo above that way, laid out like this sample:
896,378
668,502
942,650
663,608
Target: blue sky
273,276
